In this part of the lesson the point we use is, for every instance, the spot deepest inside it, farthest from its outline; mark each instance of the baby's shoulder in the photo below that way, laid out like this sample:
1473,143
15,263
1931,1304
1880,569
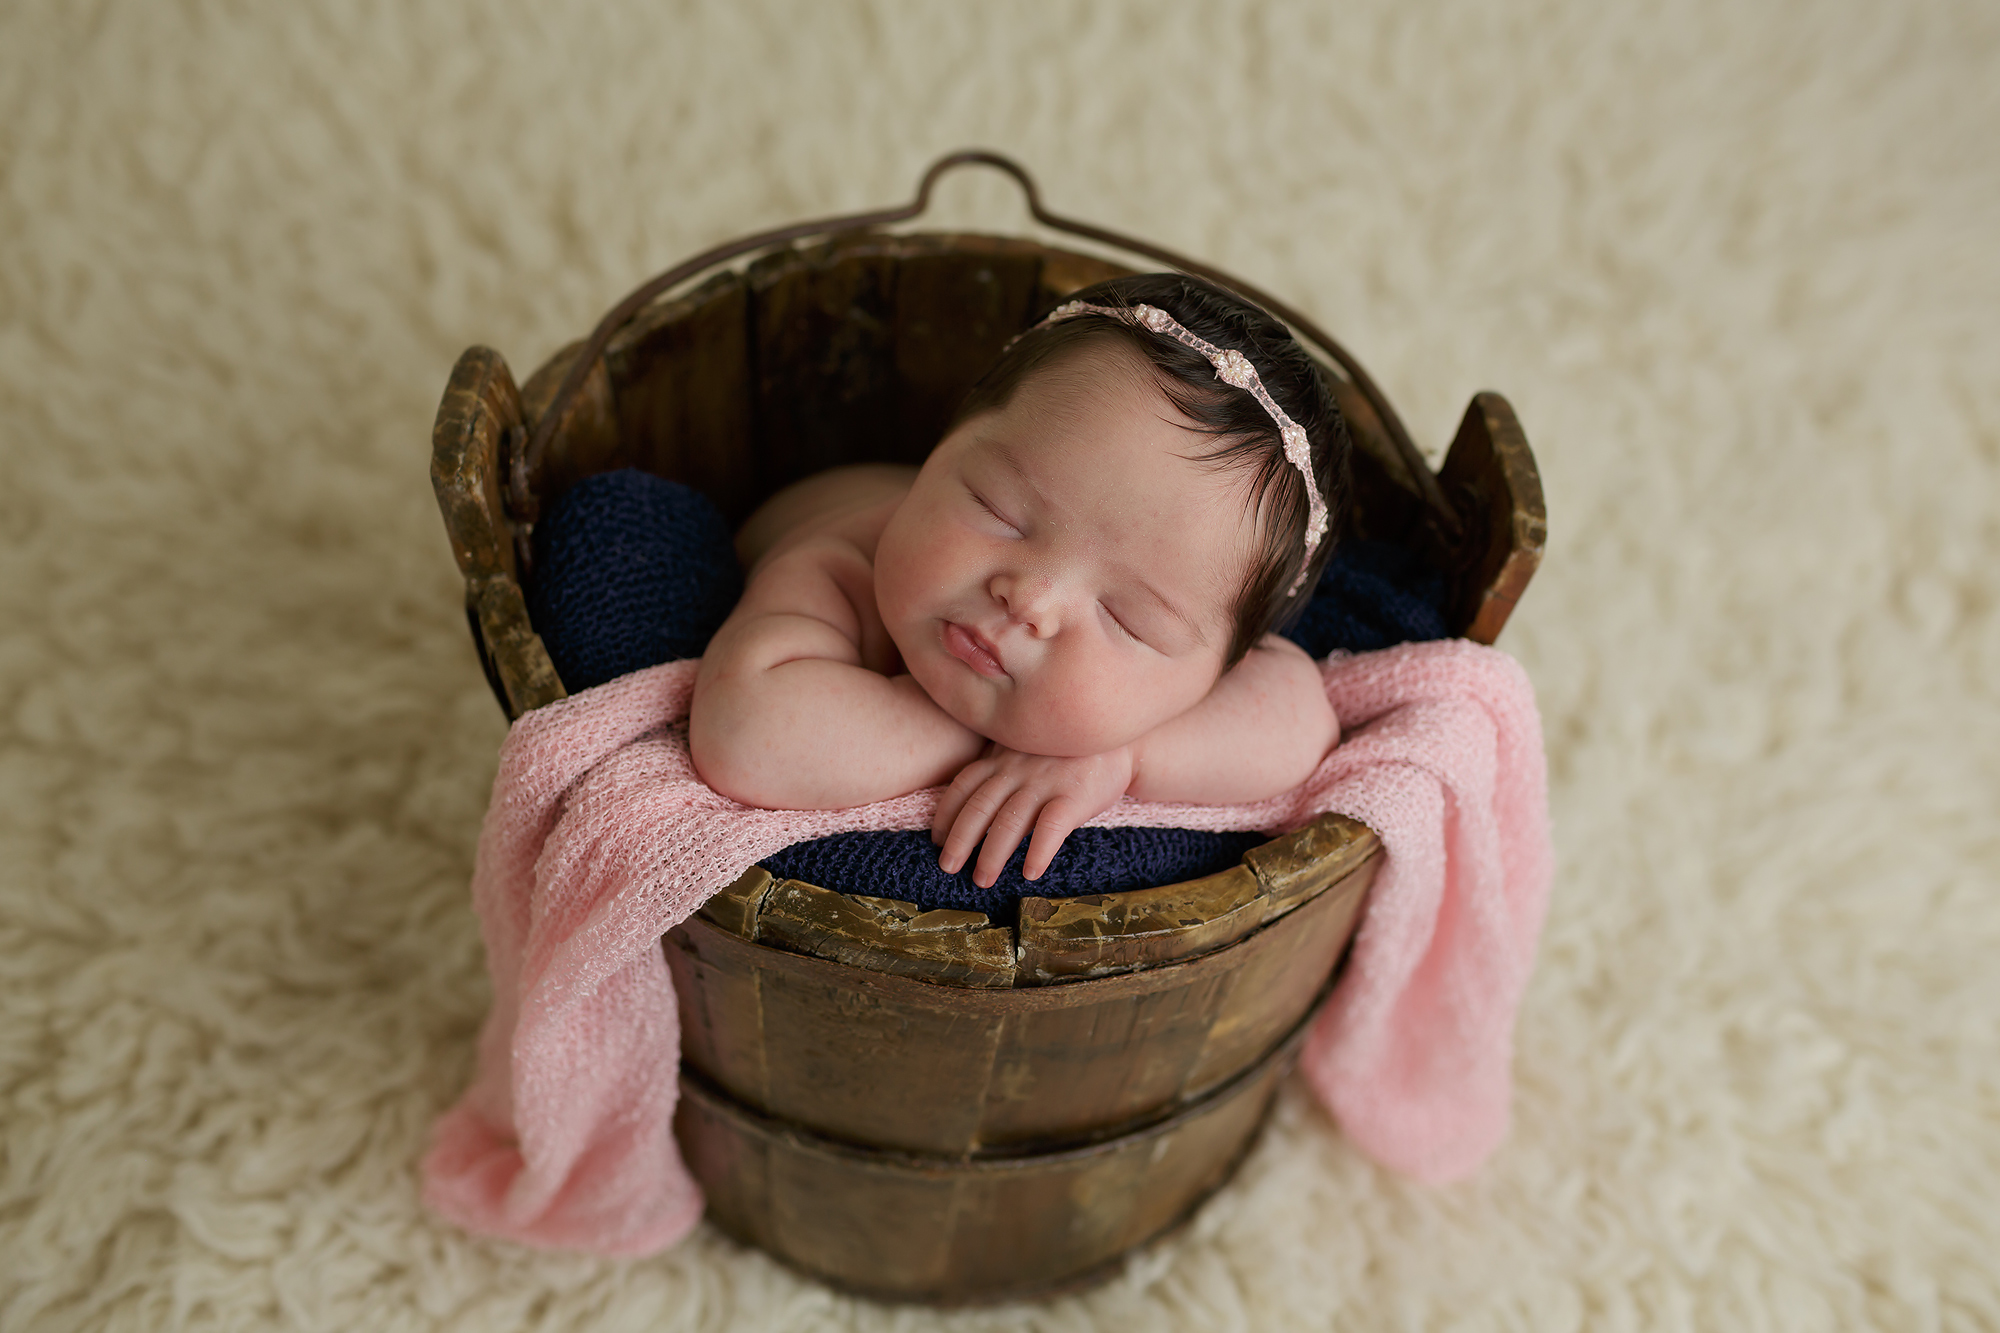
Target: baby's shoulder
841,508
810,549
819,577
804,568
810,553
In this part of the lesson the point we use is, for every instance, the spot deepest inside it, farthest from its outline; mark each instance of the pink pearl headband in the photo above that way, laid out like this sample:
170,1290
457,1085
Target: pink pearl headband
1232,368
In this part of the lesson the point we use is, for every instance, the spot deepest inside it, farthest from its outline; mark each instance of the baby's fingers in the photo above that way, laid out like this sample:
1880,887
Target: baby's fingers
974,812
954,798
1058,820
1009,825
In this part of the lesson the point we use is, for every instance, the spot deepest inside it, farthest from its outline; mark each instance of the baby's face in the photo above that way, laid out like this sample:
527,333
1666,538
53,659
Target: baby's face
1060,577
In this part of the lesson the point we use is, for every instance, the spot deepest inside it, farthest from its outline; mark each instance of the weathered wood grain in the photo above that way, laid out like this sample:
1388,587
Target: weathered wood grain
1100,934
680,376
1256,1010
1065,272
895,1061
1293,867
586,440
516,661
481,408
887,935
823,341
953,1229
479,422
734,907
1490,474
958,300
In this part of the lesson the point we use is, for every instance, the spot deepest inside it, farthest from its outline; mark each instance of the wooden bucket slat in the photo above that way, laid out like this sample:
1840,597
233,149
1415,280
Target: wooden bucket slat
958,301
822,348
1490,475
1057,939
1099,934
680,374
1295,866
1254,1014
887,935
480,414
736,907
481,406
889,1060
584,444
1384,504
943,1229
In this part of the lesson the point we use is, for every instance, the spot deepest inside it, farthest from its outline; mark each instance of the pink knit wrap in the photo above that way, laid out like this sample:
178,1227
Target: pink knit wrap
600,838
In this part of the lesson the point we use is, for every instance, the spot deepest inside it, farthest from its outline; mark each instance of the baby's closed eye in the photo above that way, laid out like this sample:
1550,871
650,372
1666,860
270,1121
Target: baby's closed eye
1013,528
1119,626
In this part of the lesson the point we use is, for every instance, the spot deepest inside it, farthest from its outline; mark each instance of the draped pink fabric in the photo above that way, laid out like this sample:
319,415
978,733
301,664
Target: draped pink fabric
600,838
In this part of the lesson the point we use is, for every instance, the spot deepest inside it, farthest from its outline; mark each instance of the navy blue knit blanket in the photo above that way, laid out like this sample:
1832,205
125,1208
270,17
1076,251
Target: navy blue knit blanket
632,570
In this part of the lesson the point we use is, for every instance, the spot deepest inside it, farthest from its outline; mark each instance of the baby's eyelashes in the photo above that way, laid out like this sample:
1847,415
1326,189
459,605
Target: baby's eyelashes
1119,626
995,514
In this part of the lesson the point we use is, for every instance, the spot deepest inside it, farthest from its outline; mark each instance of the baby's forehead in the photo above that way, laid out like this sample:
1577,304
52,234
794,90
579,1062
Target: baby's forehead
1124,476
1132,454
1092,364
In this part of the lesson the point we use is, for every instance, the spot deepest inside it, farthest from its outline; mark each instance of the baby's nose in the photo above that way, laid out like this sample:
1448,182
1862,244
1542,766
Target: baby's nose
1031,599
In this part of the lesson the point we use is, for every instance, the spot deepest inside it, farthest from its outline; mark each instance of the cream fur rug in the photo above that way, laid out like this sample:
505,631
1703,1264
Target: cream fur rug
1736,266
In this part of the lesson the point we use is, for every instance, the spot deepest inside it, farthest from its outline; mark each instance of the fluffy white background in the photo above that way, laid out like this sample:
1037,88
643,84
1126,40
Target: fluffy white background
1734,264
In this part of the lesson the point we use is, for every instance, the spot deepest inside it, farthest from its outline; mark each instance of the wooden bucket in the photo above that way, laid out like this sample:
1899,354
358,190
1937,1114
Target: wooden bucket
950,1230
930,1105
919,1140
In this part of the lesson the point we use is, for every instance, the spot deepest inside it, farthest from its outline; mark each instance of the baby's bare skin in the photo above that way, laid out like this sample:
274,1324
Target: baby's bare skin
1037,617
816,505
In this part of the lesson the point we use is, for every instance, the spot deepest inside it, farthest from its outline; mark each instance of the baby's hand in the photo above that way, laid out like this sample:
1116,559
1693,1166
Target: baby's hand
1002,794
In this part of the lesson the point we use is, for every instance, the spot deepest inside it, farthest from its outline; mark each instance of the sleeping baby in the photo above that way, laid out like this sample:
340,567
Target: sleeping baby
1071,601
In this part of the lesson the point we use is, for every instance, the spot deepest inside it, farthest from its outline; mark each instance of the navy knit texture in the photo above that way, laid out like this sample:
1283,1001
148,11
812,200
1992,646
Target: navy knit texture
632,570
1372,595
1092,860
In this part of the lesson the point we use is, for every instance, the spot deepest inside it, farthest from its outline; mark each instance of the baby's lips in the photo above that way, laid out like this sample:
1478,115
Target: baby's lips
973,650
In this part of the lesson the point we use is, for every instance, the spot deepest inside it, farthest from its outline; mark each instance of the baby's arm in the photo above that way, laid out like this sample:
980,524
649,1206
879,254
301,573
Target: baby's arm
1261,731
787,711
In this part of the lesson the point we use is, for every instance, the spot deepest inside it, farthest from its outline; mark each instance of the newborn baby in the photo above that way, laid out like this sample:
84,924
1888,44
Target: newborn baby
1071,601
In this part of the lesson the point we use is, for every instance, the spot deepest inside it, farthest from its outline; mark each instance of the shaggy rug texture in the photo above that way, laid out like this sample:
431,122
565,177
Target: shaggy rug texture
1735,266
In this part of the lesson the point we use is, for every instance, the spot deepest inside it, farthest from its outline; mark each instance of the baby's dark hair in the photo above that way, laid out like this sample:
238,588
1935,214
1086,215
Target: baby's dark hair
1247,438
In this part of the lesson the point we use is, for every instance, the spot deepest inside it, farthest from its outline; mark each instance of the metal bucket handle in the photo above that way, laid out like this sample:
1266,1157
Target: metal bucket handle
1420,475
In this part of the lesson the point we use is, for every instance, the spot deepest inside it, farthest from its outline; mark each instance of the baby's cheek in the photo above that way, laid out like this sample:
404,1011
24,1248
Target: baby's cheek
1119,708
1078,719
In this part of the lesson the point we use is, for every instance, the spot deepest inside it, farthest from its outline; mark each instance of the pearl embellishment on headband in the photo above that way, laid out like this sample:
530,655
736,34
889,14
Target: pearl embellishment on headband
1234,369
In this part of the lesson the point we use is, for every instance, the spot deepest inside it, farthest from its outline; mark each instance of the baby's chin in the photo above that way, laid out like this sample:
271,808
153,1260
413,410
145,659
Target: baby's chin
974,709
1038,736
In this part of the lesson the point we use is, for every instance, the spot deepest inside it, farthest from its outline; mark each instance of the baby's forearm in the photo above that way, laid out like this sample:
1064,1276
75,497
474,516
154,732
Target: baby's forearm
1261,731
814,734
